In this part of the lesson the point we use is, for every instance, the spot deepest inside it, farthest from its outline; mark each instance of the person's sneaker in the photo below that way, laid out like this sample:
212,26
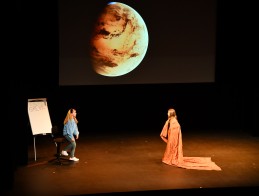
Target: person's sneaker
73,159
64,153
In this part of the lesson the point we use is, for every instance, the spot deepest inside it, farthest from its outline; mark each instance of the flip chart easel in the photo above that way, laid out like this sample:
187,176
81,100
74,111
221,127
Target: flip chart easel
39,118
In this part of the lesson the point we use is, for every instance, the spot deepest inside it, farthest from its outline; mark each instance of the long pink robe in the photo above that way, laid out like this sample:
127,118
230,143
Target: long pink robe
173,154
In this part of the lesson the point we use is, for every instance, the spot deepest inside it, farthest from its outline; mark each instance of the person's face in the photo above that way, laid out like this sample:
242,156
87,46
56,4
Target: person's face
74,113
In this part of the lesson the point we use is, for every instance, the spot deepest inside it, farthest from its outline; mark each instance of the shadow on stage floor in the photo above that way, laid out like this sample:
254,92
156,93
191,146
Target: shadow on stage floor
131,163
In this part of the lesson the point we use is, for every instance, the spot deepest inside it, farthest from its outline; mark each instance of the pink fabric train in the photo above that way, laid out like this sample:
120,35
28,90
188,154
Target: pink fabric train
173,154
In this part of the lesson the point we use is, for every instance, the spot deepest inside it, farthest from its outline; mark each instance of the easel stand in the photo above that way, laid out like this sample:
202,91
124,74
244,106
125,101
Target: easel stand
34,145
34,148
39,118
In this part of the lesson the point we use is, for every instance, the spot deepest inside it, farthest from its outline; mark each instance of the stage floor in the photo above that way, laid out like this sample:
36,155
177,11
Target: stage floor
129,163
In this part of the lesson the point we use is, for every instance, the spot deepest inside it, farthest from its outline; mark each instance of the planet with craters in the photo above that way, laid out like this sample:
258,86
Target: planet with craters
119,41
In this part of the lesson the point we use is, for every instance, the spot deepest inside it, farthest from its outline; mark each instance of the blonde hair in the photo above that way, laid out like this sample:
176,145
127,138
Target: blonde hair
69,116
172,113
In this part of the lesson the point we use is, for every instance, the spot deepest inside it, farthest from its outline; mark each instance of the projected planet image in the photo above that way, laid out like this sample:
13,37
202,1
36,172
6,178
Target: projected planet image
119,42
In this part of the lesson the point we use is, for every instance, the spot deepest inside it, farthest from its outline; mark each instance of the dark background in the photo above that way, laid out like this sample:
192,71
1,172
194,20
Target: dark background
230,103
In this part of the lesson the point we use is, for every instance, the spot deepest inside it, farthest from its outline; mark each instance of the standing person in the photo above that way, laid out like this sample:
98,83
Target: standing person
173,155
71,133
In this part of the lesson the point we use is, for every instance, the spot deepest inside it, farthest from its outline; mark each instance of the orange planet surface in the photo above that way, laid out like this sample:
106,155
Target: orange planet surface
119,42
